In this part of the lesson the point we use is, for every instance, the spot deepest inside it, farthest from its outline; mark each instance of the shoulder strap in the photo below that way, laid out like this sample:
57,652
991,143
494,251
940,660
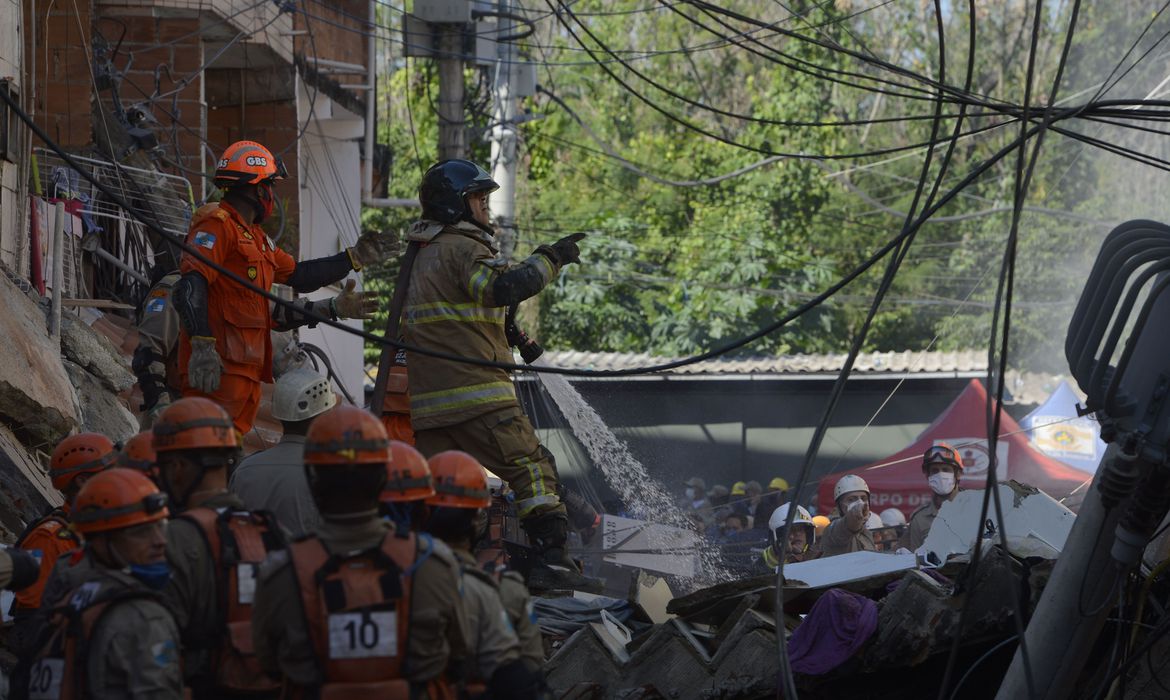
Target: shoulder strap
55,515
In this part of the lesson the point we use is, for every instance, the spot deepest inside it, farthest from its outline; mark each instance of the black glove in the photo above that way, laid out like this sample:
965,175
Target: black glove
529,349
25,569
564,251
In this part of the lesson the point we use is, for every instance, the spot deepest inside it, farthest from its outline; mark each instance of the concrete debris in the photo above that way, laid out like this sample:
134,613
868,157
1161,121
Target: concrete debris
35,394
101,411
1035,524
25,489
845,568
93,351
632,543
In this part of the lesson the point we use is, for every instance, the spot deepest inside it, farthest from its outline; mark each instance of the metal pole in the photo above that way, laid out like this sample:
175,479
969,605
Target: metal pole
452,140
503,133
371,111
58,271
1059,638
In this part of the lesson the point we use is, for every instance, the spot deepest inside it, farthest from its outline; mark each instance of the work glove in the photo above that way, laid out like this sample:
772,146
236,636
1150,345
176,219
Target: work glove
205,367
564,251
371,248
354,304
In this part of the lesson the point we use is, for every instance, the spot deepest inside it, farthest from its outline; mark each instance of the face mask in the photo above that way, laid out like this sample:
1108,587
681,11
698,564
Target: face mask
154,576
942,483
690,494
266,200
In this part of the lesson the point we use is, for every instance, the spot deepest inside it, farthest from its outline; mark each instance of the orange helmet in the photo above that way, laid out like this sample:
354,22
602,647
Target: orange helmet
115,499
138,453
460,481
194,423
408,478
346,435
84,453
942,453
247,163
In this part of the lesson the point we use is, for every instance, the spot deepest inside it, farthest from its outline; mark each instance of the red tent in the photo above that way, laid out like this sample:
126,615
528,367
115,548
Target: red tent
897,481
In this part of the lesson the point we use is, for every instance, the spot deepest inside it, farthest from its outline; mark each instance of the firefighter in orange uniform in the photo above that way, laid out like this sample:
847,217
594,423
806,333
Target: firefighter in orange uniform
214,547
459,518
358,610
225,350
112,636
75,460
138,454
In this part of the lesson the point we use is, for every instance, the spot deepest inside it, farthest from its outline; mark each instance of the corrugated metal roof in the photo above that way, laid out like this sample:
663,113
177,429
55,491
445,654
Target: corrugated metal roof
907,362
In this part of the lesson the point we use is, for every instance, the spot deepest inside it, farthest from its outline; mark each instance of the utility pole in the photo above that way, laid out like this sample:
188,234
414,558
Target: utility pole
452,135
503,135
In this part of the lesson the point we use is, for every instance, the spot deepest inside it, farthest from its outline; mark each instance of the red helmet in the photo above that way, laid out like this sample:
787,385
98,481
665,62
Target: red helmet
346,435
194,423
247,163
116,499
408,478
84,453
138,453
460,481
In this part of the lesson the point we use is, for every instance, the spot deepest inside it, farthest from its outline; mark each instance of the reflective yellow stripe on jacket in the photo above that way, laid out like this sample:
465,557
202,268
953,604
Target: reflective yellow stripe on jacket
460,313
434,402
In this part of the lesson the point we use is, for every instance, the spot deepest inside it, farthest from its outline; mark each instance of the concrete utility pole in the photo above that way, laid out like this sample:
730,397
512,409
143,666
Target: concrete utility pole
1058,638
452,134
503,135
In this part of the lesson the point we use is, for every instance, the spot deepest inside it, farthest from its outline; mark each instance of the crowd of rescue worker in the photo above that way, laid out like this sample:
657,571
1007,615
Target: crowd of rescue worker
340,562
748,524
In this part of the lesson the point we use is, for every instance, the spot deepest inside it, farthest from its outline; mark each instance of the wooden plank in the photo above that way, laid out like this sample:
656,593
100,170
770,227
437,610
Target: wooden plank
96,304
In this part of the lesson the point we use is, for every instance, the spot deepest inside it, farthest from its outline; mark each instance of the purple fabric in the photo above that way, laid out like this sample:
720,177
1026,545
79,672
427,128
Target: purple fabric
836,627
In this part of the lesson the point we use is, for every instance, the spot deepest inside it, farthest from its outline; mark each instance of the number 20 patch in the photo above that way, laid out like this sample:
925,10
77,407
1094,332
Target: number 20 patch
364,635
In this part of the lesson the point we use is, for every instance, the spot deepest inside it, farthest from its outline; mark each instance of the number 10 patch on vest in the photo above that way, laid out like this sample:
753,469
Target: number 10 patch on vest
363,635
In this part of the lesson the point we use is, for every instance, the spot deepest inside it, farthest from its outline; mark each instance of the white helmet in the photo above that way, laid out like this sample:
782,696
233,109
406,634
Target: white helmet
848,483
892,517
300,395
802,517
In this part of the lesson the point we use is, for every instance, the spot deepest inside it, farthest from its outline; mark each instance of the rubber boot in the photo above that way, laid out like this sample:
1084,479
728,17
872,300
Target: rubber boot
554,569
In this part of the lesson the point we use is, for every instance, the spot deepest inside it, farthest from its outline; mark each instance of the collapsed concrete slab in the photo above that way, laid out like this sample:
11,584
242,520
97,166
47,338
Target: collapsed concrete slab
1034,523
25,489
845,568
101,411
94,351
36,397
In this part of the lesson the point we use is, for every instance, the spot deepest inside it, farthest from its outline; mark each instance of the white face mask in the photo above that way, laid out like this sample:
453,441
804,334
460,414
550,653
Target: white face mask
691,494
942,483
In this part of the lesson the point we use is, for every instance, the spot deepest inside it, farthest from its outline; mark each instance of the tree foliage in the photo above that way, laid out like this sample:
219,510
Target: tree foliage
673,270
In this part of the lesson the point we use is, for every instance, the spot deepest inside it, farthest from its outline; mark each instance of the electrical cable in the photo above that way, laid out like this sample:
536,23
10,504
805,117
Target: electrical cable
910,228
192,250
975,664
1024,170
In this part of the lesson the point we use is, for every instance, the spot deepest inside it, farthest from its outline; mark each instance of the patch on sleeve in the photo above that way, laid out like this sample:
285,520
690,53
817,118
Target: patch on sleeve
205,239
165,653
156,305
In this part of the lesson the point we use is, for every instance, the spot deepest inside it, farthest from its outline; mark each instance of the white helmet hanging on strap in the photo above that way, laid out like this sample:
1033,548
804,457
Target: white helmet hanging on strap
300,395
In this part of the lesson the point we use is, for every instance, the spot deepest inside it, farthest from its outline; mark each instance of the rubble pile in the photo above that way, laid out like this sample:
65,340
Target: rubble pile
720,642
48,391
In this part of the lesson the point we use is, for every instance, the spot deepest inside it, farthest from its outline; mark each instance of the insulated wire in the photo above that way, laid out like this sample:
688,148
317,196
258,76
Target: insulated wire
910,228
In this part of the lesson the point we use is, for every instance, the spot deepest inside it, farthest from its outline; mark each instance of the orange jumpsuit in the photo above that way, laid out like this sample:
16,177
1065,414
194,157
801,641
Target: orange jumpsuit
53,538
239,319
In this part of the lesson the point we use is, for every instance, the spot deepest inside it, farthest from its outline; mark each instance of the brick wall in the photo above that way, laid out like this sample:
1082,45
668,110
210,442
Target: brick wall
346,43
57,68
157,55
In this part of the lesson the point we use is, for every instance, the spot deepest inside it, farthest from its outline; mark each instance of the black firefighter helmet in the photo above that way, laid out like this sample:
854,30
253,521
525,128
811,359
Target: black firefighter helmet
445,186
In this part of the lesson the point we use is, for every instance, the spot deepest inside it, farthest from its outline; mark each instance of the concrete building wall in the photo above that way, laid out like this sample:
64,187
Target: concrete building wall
330,209
13,203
